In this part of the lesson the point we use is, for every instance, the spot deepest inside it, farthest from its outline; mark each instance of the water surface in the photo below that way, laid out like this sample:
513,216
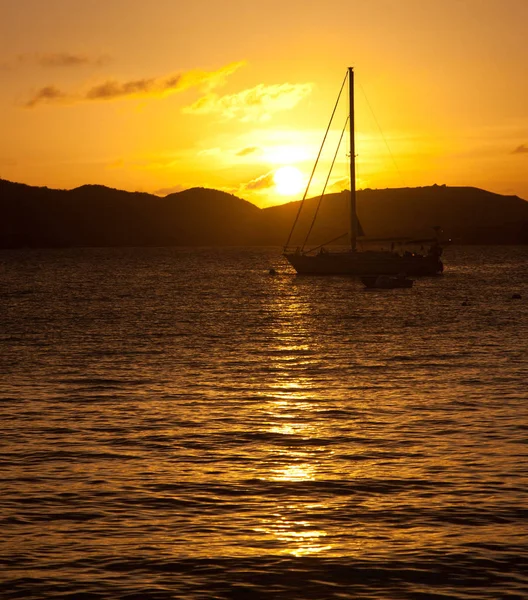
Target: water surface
178,423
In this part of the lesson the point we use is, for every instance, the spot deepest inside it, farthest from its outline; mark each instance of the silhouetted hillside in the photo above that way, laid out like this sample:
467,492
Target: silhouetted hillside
94,215
467,215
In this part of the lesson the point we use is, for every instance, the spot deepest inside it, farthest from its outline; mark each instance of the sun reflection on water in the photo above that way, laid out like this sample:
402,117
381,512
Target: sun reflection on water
295,472
296,537
294,460
290,407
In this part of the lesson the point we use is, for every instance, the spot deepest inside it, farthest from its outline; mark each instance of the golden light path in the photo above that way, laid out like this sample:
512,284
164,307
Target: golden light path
299,535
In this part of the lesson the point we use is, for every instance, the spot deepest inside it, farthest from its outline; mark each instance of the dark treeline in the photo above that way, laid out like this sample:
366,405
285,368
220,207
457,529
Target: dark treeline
99,216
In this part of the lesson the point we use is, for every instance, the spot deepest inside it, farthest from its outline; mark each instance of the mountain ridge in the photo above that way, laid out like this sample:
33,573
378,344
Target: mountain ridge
97,215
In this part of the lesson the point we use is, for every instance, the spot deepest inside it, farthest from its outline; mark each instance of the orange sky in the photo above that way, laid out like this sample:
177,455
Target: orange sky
159,96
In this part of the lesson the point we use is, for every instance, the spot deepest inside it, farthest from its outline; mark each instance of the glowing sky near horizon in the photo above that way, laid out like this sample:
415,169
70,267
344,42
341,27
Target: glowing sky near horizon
161,96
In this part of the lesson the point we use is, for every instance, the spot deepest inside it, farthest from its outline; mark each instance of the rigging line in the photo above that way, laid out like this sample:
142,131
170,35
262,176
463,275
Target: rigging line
315,165
329,242
382,135
325,185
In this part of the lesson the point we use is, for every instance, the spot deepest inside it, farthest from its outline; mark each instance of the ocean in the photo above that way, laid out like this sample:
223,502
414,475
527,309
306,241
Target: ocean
179,423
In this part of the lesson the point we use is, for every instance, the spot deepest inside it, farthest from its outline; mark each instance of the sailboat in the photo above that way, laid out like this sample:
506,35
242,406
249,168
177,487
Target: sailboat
353,261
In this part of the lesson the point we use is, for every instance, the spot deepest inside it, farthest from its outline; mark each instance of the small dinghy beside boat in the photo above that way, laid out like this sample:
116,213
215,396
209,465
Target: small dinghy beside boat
386,282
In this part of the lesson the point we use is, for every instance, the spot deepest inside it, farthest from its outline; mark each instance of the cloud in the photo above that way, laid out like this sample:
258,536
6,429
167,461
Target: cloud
522,149
64,59
136,88
170,190
48,93
261,183
249,150
58,59
114,89
340,185
257,103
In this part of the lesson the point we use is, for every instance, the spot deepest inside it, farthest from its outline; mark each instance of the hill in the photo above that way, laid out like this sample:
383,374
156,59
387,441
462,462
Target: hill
467,215
94,215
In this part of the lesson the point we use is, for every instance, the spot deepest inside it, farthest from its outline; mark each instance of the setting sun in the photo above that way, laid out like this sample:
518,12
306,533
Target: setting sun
288,181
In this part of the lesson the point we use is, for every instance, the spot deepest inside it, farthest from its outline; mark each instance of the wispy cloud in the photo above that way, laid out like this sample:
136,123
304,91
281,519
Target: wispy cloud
114,89
340,185
64,59
56,60
48,93
170,190
249,150
260,183
522,149
255,104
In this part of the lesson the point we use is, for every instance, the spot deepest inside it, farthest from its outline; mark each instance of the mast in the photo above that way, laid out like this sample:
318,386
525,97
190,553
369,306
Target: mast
353,228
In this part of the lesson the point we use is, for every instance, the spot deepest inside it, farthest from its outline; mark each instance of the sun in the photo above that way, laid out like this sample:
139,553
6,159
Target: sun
288,181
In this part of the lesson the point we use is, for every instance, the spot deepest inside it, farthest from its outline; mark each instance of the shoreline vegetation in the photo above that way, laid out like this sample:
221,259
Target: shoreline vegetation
98,216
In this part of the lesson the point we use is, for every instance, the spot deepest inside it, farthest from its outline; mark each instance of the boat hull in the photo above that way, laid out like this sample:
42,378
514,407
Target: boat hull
364,263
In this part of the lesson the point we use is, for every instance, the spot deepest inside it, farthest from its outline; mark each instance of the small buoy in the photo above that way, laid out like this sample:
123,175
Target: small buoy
516,296
272,271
